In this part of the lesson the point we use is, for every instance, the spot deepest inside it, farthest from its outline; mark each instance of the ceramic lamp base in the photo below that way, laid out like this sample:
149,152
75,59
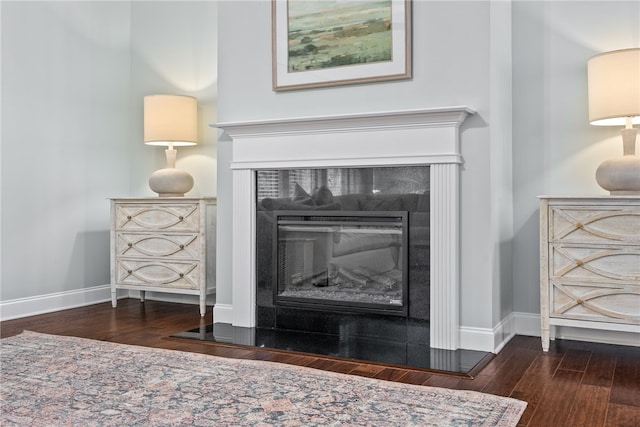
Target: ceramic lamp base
621,175
171,182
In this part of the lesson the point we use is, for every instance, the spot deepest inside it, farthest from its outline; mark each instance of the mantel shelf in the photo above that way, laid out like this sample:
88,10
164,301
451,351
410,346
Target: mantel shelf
438,117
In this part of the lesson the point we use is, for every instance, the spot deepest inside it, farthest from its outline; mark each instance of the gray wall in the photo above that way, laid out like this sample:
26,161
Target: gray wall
174,50
66,132
555,150
73,78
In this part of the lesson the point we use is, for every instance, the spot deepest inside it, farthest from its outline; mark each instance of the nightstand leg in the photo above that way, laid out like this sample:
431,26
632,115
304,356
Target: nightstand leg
141,296
203,305
114,297
545,328
545,339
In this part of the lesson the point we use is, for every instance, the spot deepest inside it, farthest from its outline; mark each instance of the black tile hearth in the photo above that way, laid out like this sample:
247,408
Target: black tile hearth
399,351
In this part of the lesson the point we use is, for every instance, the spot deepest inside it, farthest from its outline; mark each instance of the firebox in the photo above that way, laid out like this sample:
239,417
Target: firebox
350,261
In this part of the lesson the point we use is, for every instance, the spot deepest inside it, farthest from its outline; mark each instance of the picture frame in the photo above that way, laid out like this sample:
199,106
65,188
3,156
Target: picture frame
329,43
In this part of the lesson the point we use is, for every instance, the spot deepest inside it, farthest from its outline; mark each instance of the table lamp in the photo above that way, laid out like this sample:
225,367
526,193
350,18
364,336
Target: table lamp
170,121
614,100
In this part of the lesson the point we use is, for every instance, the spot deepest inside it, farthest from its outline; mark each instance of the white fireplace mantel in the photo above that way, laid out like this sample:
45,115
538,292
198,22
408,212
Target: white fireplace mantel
394,138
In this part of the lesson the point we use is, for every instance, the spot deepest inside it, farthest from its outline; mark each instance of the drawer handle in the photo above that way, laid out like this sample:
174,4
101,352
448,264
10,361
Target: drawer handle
181,246
129,217
579,263
129,271
580,301
130,244
579,225
181,275
181,218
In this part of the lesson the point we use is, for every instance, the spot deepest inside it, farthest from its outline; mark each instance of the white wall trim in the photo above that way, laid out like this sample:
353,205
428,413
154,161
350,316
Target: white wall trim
223,313
529,324
39,304
503,332
480,339
486,339
390,120
168,297
49,303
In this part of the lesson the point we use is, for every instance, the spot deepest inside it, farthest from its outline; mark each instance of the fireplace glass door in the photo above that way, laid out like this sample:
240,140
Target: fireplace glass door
343,261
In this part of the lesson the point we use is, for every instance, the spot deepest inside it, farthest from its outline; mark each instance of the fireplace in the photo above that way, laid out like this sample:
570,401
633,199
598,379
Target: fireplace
408,138
341,261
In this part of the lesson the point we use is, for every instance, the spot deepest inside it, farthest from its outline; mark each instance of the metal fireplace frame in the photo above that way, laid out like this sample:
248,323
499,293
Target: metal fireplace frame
311,217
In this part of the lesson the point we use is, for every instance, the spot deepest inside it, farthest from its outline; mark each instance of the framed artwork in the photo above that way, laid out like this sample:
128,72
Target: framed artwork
336,42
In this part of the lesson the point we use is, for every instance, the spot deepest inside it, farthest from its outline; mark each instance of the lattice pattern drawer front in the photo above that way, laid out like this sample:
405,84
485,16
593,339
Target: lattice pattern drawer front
169,246
184,275
596,302
606,263
146,217
598,226
589,264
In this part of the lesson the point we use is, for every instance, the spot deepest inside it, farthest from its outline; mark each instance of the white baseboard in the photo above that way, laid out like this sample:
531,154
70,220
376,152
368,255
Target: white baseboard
596,335
517,323
30,306
223,313
169,297
40,304
485,339
529,324
480,339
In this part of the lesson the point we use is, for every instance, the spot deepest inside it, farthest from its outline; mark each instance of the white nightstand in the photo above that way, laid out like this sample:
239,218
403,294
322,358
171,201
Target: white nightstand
163,245
589,263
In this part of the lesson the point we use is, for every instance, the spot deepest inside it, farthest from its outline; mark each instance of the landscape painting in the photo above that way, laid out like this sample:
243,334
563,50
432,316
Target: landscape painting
338,33
330,42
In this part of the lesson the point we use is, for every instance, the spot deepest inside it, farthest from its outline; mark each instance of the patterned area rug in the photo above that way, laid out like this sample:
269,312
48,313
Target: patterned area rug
64,381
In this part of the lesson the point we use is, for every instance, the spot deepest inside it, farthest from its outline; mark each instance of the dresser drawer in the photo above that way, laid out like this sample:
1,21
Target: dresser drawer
179,217
180,275
600,263
602,225
153,245
596,302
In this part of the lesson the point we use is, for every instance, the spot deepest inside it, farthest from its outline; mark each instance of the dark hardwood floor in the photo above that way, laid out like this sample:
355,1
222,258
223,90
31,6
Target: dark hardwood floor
574,384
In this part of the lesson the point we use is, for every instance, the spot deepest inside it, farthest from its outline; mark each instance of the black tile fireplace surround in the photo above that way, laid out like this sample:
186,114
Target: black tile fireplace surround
376,241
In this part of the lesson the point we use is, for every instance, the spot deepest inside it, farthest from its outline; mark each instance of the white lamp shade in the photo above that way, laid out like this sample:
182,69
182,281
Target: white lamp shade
614,87
170,120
